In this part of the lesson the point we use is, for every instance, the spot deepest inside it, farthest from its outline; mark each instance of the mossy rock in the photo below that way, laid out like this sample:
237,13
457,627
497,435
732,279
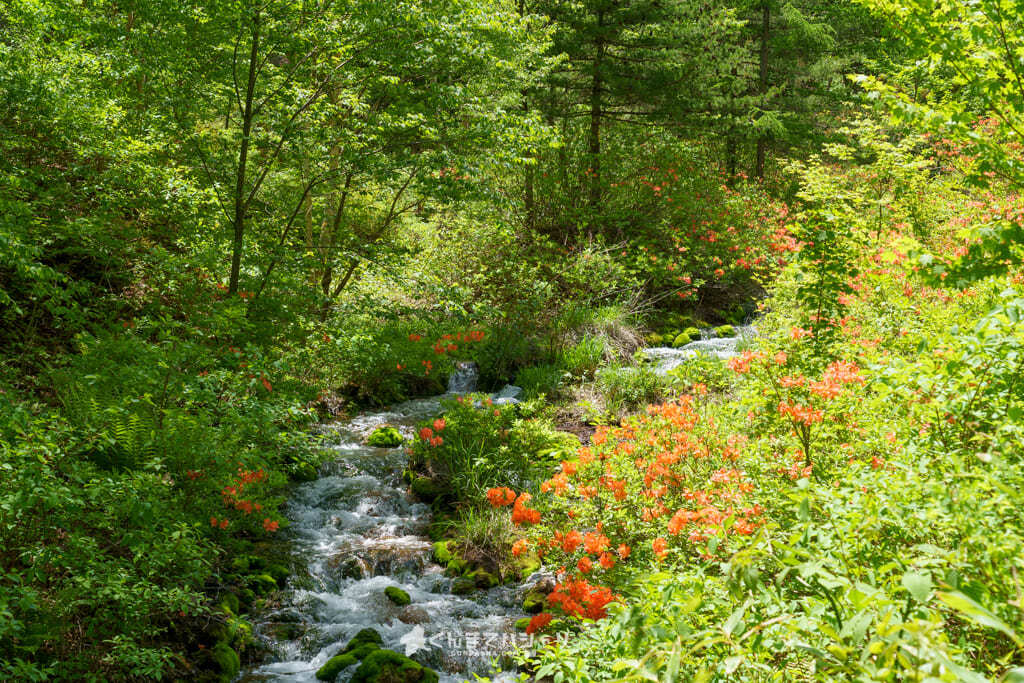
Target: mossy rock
482,578
521,624
534,601
304,472
334,666
397,596
385,436
246,596
655,339
363,651
388,666
442,555
463,586
367,636
227,660
725,331
278,572
682,339
694,332
426,489
263,583
526,564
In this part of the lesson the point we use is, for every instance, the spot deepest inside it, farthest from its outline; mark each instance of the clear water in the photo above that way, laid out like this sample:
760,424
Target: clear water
358,531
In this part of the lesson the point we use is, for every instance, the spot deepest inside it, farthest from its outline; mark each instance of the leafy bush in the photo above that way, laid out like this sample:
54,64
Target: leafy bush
540,380
626,388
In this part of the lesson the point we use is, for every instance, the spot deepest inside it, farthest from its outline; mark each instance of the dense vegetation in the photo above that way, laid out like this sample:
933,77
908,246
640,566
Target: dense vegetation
222,222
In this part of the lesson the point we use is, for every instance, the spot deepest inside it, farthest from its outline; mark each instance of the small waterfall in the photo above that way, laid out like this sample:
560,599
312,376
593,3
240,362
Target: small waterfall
666,359
464,378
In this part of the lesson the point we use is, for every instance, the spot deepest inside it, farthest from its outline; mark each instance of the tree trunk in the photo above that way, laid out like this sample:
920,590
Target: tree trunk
594,140
762,141
241,206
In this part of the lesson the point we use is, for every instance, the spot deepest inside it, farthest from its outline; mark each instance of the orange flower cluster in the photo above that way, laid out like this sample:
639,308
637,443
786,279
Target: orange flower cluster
538,622
522,514
800,413
500,497
582,599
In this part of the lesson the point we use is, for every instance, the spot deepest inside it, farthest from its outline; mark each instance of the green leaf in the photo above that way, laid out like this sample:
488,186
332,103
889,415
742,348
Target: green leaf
918,584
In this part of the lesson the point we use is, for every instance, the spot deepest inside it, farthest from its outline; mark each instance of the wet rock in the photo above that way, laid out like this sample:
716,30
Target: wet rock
525,565
482,578
397,596
413,615
367,636
463,586
388,666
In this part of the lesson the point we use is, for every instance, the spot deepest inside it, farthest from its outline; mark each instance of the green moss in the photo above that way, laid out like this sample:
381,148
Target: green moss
483,579
526,564
227,660
334,666
534,602
363,651
655,339
442,555
521,624
263,583
426,489
278,572
463,585
385,436
230,603
388,666
682,339
364,637
725,331
397,596
240,564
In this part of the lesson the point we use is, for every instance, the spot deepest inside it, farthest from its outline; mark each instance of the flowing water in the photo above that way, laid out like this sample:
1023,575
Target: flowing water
665,358
358,532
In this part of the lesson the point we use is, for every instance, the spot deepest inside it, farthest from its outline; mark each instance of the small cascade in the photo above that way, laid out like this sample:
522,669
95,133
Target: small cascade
464,378
666,359
357,532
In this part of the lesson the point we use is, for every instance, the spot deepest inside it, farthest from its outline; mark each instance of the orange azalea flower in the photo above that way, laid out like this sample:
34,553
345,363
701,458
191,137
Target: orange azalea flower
520,547
660,547
624,551
584,564
538,622
607,561
500,497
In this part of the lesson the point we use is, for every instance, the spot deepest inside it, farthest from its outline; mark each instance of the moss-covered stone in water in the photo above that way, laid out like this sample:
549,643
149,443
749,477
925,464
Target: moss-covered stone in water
682,339
534,602
278,572
655,339
364,637
521,624
526,564
388,666
397,596
463,585
362,651
385,436
483,579
227,660
725,331
334,666
426,489
263,583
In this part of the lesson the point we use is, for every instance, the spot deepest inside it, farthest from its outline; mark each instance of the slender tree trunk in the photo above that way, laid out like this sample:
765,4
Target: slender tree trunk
241,206
594,140
762,142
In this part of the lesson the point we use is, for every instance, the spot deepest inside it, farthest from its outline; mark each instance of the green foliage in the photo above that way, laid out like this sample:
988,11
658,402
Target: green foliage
625,389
